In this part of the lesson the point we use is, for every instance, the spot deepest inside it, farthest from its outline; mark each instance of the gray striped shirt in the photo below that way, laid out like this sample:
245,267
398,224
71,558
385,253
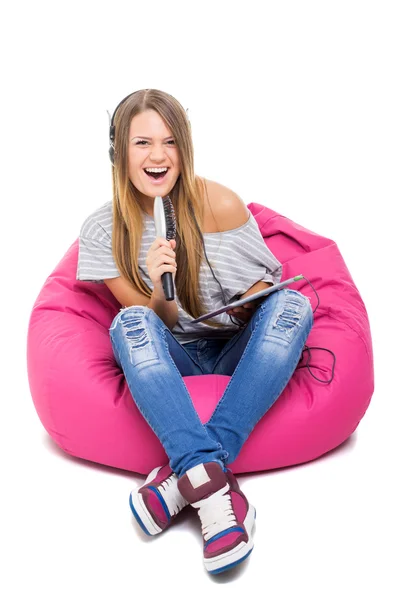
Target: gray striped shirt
239,258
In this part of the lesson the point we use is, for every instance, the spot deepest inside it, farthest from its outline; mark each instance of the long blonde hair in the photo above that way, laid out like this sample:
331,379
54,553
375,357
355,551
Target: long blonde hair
188,190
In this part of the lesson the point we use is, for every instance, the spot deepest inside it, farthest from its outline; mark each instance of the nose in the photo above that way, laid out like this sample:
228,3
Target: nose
157,151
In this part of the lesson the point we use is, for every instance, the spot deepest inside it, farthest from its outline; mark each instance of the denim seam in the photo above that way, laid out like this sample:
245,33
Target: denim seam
163,333
225,349
165,329
237,366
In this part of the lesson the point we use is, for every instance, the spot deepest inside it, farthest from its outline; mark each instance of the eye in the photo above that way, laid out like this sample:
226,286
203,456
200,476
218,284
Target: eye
141,142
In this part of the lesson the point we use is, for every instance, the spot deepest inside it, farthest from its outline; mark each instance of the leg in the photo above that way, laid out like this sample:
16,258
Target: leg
262,358
142,346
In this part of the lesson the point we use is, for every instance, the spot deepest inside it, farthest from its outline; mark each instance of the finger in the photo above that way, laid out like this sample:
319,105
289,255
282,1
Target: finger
166,260
160,241
164,250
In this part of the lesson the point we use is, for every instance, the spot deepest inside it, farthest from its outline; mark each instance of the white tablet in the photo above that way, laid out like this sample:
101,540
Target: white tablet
266,292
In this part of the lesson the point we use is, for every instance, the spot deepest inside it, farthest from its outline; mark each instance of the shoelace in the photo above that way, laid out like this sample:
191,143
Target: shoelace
216,513
171,494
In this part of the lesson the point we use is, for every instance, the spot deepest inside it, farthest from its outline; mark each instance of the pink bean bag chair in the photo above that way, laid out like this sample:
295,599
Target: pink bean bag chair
85,405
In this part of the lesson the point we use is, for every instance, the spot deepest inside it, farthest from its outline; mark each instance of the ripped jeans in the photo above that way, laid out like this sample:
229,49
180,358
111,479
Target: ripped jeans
260,359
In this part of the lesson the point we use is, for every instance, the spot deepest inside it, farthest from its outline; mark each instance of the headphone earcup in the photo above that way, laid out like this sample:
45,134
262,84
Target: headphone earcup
111,154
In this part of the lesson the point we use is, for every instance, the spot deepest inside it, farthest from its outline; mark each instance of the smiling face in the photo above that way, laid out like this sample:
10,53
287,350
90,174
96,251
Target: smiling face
152,145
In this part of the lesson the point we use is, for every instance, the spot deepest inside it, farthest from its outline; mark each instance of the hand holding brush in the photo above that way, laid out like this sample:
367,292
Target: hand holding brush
161,255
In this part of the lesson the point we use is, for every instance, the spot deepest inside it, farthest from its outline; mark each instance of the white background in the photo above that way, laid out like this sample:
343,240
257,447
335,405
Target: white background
294,105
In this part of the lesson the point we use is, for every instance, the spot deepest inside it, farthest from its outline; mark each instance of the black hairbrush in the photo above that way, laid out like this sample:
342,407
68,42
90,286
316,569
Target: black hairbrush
165,222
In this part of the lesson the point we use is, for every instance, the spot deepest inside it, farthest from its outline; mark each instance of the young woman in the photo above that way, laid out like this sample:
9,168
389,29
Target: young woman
155,343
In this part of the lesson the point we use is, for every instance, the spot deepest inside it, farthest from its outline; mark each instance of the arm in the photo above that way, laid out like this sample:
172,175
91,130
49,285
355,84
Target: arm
257,287
127,295
245,311
167,310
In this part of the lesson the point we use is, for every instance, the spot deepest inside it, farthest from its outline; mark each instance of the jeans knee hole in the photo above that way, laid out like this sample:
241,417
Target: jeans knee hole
291,316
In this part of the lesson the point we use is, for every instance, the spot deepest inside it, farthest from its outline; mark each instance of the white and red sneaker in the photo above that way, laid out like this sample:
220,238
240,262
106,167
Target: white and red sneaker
226,517
157,502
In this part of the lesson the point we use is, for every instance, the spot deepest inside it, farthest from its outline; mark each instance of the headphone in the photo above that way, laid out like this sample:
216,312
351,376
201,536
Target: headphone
111,150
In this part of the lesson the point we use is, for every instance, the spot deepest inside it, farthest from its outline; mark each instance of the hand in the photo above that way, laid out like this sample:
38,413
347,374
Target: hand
160,259
244,312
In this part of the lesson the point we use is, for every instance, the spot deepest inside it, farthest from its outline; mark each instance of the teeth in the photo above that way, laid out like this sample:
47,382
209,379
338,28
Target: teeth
157,170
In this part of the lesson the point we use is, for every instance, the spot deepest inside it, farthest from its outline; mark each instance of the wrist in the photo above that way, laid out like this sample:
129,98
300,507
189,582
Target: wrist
158,292
167,310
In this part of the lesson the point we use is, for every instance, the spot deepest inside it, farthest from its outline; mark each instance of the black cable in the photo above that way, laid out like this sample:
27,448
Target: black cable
315,292
240,325
307,349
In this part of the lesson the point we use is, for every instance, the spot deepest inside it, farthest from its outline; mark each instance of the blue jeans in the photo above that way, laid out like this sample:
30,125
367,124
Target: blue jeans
260,359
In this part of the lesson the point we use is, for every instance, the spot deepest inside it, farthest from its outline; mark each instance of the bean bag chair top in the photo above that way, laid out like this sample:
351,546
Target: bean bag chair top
83,401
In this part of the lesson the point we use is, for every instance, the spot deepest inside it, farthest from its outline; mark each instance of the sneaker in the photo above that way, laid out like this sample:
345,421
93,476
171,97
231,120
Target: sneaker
226,516
157,502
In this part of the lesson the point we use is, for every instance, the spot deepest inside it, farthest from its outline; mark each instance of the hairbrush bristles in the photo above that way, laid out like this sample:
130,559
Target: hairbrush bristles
165,224
170,218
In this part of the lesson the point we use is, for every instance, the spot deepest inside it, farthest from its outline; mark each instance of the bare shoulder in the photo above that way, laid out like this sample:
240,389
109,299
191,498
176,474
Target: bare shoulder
228,208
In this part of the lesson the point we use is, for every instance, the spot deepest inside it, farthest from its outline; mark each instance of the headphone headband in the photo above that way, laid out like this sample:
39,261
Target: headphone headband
112,126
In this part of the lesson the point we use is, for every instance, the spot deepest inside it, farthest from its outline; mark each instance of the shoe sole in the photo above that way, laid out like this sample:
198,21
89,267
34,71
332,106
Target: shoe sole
140,511
231,559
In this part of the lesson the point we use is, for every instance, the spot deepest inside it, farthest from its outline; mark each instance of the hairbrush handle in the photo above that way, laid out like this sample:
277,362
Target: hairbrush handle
164,219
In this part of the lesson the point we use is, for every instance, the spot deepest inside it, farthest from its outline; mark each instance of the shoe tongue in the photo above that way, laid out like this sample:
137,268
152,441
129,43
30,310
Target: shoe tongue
201,481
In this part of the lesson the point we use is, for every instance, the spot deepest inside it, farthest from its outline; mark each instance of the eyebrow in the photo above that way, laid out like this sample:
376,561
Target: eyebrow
143,137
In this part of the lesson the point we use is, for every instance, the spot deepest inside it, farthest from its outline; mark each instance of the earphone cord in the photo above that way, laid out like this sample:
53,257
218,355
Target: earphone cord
240,325
243,325
308,348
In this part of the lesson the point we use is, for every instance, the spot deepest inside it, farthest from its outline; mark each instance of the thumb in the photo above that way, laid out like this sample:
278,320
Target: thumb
173,244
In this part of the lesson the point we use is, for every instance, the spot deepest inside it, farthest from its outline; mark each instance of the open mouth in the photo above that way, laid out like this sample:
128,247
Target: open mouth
156,177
